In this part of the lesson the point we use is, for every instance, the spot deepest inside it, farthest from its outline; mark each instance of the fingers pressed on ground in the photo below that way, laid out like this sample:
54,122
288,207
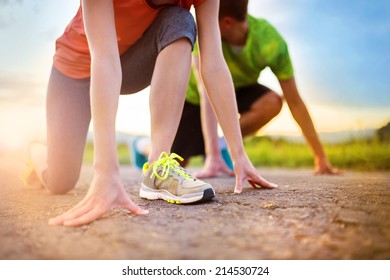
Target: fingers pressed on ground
260,182
82,203
80,212
237,190
253,184
328,172
87,218
238,187
135,209
77,211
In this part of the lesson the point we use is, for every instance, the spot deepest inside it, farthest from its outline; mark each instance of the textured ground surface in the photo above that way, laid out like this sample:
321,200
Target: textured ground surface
308,217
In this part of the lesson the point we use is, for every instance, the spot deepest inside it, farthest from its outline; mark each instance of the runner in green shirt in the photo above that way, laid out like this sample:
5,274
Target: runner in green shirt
249,46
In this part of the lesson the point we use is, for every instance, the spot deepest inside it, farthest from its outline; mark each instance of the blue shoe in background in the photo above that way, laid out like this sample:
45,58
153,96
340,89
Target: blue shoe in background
225,152
137,158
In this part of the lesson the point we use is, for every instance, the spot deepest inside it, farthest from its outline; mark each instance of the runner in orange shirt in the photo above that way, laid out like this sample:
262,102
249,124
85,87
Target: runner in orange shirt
120,47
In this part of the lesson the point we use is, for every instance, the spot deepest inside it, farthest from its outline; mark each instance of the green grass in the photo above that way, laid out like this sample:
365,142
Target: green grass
123,153
368,155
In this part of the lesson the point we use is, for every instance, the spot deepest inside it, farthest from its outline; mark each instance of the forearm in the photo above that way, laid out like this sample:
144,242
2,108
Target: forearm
216,76
105,89
221,94
106,78
303,119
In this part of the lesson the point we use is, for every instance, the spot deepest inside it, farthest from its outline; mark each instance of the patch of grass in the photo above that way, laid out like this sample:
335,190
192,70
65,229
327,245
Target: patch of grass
362,155
367,155
263,151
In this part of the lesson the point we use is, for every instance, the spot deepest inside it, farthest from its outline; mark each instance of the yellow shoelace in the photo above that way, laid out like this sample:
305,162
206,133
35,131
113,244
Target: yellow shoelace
168,162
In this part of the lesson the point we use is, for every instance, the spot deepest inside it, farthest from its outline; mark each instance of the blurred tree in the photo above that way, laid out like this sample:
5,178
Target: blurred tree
383,133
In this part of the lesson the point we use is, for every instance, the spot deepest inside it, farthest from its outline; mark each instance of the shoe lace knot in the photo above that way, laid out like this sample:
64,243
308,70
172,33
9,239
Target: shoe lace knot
168,163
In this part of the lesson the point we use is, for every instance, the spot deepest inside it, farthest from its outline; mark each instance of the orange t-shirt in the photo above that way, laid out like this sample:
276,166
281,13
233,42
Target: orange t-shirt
132,18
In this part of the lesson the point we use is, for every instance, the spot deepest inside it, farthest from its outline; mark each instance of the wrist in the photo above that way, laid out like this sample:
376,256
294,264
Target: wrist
237,153
320,161
319,157
105,156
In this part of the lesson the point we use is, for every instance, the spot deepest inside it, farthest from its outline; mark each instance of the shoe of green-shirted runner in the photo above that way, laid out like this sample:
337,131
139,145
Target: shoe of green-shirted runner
166,179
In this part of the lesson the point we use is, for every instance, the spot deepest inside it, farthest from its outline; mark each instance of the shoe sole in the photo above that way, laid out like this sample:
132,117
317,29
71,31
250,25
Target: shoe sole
151,194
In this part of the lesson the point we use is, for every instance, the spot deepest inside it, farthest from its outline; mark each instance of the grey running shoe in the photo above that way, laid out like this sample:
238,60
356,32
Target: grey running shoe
167,180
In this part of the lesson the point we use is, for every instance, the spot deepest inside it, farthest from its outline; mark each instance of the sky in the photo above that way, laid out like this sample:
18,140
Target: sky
340,53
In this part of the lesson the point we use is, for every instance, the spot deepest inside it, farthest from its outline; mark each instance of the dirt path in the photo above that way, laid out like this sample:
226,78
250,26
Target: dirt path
308,217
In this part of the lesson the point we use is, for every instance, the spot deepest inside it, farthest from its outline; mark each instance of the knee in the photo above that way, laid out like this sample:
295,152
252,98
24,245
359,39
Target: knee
275,103
60,184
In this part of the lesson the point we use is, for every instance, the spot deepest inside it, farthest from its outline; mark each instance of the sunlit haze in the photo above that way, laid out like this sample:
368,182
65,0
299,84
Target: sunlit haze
339,51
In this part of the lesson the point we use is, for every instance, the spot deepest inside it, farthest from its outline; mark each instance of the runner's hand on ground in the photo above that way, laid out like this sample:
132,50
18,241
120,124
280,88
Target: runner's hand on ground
105,193
323,167
245,171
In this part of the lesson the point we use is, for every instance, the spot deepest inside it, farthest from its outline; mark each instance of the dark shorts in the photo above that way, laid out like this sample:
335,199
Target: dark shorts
138,62
189,137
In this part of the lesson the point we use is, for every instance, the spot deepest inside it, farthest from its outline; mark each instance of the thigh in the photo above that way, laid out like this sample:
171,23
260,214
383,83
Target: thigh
138,62
248,95
68,116
189,137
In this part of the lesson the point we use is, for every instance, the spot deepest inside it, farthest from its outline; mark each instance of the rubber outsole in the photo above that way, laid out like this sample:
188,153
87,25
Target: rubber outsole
208,194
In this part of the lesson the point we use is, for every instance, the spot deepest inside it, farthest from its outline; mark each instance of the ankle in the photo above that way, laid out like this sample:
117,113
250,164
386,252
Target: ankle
153,156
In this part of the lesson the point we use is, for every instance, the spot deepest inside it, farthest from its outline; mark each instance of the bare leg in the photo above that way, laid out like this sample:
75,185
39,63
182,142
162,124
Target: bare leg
144,149
261,112
68,115
168,87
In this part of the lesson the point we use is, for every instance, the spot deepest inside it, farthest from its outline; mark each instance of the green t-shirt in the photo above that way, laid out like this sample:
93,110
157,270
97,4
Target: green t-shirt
264,47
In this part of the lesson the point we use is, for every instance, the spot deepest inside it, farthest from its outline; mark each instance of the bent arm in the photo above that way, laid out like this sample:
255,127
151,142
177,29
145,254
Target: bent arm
219,87
105,79
106,190
216,76
302,117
